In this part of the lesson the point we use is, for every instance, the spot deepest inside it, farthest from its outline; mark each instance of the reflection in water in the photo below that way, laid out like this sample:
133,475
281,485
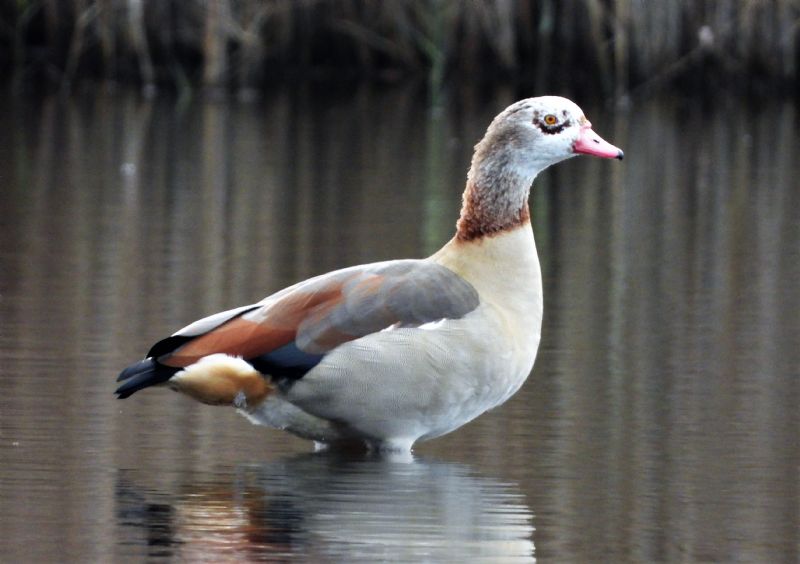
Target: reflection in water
661,420
330,509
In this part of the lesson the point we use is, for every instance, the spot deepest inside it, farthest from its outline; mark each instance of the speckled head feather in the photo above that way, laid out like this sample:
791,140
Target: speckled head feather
524,139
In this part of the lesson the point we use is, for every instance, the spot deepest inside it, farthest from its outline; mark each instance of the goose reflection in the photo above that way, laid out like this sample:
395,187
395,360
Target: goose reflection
333,508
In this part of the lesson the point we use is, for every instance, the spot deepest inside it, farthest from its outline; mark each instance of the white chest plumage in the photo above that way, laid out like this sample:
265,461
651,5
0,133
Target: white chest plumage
505,270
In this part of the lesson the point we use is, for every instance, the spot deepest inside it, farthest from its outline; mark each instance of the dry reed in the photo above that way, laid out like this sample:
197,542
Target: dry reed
616,44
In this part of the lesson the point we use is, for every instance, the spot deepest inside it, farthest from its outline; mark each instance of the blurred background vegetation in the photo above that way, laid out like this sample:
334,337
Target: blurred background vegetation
614,46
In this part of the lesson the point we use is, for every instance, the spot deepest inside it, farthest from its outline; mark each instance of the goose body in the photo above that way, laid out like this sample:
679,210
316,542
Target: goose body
390,353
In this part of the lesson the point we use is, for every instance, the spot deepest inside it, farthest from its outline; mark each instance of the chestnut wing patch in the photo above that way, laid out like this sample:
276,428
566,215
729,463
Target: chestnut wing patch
190,332
289,333
399,293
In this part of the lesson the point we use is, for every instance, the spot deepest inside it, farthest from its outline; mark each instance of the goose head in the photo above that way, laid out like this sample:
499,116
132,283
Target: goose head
523,140
535,133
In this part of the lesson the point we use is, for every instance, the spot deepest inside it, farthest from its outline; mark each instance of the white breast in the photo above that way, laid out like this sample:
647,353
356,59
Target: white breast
505,270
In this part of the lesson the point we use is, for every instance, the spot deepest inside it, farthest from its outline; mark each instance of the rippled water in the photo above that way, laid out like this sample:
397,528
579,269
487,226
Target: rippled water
661,420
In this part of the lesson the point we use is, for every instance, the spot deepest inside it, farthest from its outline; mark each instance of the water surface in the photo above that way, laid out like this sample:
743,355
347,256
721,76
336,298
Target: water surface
660,422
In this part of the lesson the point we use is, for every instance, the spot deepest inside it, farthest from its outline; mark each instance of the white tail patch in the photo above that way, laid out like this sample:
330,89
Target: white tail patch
219,379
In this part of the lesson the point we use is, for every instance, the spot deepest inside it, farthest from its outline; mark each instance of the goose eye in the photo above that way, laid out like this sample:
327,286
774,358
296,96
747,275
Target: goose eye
550,124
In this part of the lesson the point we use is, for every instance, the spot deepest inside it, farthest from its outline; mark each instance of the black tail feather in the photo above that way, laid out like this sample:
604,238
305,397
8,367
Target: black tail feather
142,375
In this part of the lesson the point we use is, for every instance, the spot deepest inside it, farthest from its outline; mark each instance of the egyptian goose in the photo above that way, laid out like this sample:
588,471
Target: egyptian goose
390,353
